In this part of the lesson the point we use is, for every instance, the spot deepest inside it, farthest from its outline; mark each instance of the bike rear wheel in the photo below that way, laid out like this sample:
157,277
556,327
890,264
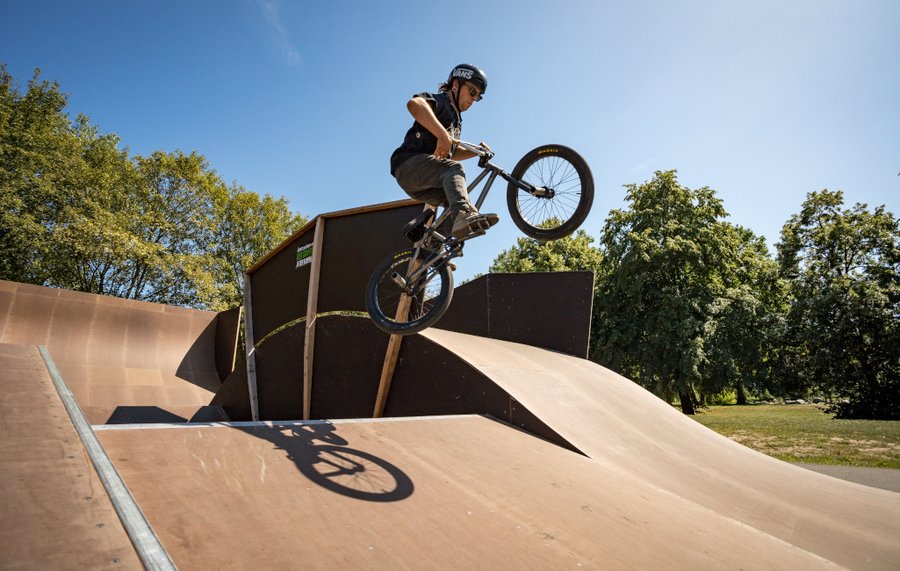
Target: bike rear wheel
569,183
402,308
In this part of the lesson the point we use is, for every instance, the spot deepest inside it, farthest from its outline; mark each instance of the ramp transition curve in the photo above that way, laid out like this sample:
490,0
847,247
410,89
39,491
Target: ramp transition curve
625,428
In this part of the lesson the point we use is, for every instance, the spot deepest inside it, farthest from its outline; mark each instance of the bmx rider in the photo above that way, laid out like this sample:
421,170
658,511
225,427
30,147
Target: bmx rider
427,165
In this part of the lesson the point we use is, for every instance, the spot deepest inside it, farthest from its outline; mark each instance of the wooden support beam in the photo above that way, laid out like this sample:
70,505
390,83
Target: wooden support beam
393,351
250,349
312,304
390,361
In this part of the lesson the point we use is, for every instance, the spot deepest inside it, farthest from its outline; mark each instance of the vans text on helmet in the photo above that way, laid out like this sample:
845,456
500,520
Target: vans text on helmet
470,73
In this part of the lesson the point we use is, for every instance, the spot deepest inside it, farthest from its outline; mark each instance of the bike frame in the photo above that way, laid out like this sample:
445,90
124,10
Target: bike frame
450,247
489,168
412,288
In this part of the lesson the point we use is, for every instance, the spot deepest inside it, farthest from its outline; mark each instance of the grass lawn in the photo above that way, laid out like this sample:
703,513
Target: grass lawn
803,433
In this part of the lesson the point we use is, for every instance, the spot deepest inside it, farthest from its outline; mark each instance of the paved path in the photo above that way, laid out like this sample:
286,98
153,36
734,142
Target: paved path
883,478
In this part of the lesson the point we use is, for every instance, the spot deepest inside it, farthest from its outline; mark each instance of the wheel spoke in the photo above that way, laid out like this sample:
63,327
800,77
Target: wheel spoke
399,309
562,171
560,175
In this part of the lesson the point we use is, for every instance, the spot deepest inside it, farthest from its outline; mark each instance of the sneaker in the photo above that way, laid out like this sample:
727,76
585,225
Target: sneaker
469,221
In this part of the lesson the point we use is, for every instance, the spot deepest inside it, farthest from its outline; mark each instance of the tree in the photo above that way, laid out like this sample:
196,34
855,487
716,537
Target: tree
745,321
572,253
843,325
77,212
666,256
91,236
170,232
39,158
248,227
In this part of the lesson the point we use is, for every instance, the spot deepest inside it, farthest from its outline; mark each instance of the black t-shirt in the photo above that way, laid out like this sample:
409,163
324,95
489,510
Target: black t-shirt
419,140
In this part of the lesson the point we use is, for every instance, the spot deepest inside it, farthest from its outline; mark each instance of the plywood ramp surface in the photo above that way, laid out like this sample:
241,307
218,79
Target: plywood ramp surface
624,428
54,512
116,352
443,493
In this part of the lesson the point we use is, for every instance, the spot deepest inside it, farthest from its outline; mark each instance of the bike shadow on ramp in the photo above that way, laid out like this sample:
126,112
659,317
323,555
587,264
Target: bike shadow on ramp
327,459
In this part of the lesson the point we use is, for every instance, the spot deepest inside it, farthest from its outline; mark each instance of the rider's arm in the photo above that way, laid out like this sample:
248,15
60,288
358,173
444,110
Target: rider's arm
424,115
462,154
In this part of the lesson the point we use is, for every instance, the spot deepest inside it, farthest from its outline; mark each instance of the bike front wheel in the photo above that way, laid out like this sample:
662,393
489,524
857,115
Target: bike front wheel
400,304
564,197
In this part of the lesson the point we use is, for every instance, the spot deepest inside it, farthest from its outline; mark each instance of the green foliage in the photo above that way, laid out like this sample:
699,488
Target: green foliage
39,158
78,212
744,320
248,227
572,253
668,257
696,310
686,304
843,333
724,397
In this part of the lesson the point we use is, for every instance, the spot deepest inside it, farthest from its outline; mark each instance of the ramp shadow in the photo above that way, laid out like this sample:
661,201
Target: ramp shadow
333,465
199,364
142,414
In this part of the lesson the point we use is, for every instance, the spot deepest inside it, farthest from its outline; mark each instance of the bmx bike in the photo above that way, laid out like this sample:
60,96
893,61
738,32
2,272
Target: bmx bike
549,195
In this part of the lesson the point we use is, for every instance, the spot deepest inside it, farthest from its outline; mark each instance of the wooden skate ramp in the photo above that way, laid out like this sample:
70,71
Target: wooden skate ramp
54,512
123,359
626,429
436,493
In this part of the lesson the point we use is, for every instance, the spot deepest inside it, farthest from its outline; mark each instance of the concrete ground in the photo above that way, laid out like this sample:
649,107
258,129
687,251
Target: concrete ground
883,478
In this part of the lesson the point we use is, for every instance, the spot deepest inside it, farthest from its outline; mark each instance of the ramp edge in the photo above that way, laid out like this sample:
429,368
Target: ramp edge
278,423
146,543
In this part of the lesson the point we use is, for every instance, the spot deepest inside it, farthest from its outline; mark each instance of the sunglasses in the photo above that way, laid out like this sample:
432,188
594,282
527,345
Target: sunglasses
473,93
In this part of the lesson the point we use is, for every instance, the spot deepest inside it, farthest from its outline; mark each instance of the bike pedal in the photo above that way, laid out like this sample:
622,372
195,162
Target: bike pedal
480,227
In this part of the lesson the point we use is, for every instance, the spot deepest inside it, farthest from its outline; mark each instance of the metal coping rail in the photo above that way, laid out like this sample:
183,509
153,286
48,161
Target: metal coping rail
148,546
279,423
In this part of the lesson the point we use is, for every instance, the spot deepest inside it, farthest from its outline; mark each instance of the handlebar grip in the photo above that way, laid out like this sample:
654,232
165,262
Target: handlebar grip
477,149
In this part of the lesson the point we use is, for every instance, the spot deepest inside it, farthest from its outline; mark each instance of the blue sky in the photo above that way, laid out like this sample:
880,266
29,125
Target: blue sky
763,101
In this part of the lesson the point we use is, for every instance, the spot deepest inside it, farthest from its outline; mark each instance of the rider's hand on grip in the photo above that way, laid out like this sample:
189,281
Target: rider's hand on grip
445,147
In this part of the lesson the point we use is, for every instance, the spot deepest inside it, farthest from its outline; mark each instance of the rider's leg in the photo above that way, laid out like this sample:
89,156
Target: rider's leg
420,176
420,181
464,216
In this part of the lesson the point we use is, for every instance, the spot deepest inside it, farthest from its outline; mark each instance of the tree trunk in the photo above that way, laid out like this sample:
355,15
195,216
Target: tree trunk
687,402
741,395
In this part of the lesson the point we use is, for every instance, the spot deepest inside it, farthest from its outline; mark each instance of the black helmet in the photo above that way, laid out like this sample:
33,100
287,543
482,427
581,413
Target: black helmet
467,72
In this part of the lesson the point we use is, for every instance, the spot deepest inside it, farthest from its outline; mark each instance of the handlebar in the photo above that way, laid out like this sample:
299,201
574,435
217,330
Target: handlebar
477,149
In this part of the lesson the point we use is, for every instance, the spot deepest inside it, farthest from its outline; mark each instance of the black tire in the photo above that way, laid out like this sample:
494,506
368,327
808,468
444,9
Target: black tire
565,172
430,300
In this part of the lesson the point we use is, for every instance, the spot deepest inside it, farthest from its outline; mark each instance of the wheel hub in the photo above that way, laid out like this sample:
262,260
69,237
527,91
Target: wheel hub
544,192
399,280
